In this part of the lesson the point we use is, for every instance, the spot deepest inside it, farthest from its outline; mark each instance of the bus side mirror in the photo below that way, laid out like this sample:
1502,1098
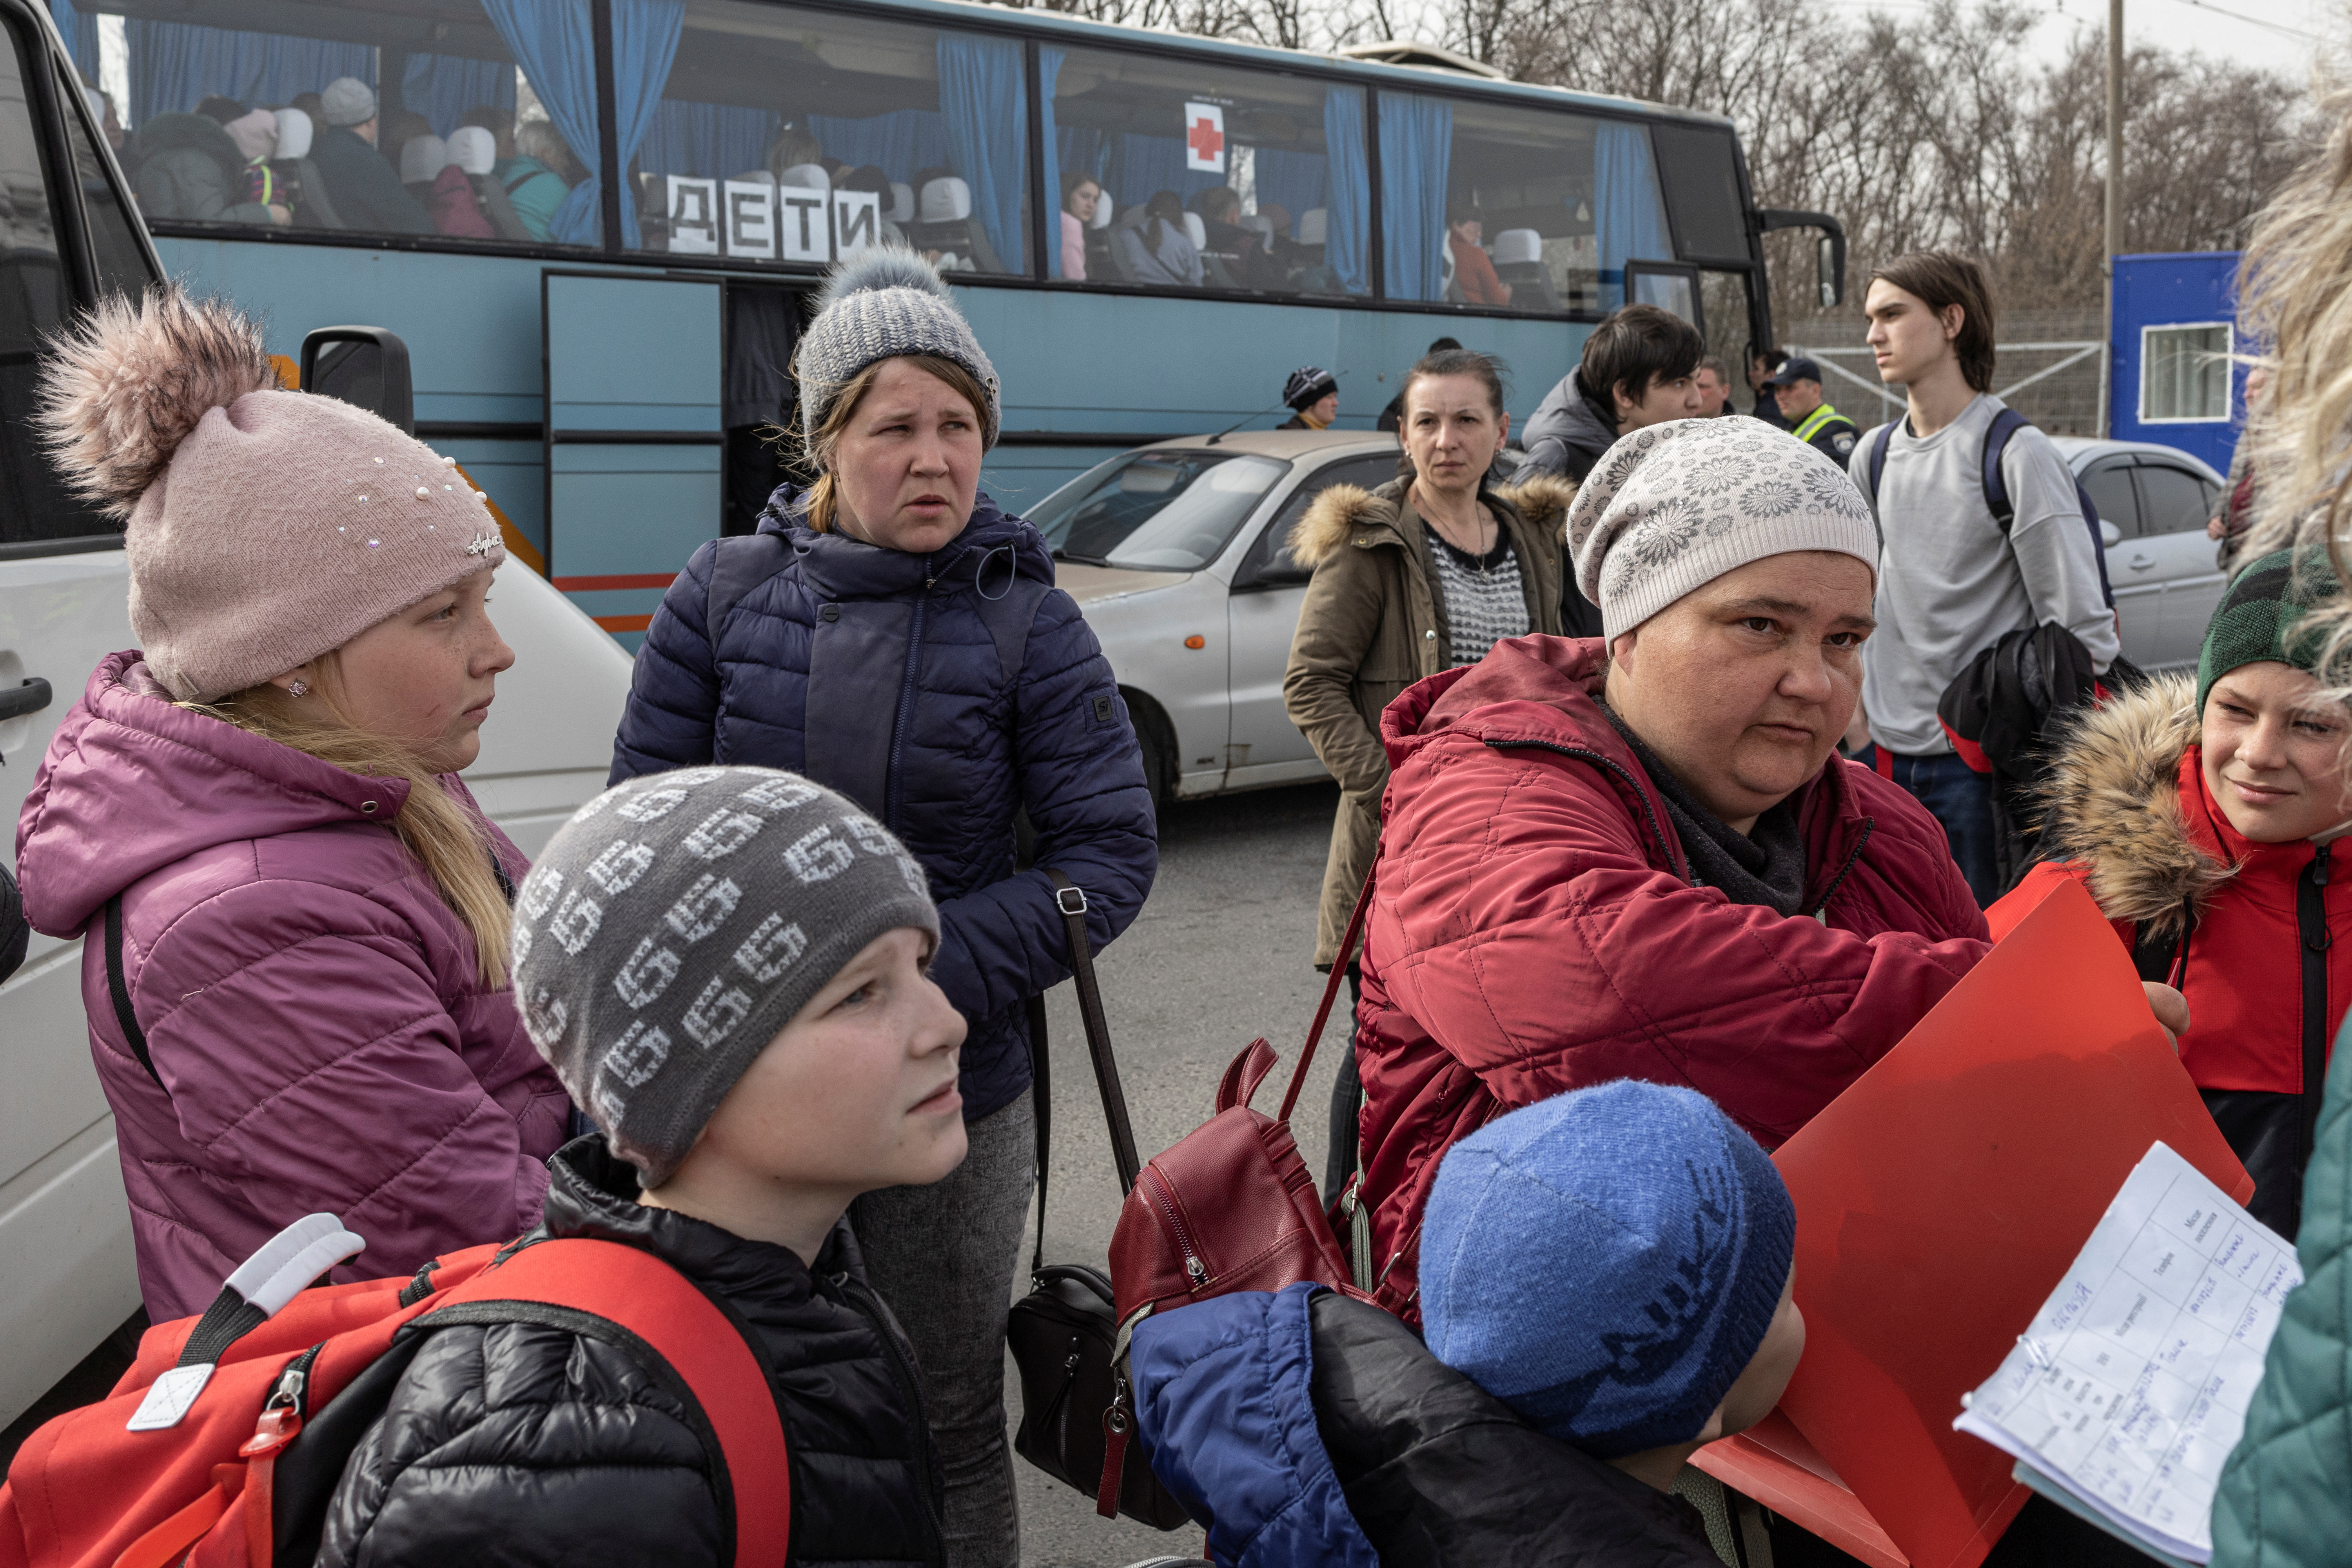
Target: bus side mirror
1829,269
364,366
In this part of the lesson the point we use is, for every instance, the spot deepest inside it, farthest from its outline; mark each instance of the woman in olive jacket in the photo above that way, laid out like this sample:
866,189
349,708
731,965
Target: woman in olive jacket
1420,575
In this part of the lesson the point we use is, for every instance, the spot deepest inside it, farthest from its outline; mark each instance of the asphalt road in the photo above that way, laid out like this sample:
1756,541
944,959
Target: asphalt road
1222,953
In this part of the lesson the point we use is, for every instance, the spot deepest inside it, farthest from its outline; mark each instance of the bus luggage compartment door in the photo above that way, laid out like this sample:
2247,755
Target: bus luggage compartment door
633,440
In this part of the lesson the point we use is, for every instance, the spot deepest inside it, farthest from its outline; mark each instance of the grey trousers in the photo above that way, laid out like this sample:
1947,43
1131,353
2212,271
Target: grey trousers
944,1256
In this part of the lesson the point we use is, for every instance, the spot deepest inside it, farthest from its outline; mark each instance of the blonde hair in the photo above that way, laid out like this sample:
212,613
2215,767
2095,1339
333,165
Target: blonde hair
447,837
817,448
2296,301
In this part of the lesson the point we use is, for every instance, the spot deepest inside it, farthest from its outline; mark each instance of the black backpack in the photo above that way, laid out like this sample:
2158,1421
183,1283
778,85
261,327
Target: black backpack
2005,426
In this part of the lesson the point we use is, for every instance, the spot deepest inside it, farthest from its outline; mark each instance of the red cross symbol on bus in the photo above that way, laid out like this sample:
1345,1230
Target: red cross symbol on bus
1205,140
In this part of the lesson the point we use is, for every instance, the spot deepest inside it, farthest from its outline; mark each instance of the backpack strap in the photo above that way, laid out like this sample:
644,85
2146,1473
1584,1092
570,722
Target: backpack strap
632,1300
738,565
1877,465
119,988
1997,435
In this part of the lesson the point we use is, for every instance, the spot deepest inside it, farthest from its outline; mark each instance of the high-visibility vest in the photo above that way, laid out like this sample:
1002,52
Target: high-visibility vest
1813,424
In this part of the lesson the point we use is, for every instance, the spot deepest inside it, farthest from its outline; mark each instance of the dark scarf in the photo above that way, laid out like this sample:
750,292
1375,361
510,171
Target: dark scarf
1764,866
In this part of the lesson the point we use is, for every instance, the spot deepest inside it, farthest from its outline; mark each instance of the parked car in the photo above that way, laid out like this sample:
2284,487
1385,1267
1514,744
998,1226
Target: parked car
67,1275
1176,552
2153,502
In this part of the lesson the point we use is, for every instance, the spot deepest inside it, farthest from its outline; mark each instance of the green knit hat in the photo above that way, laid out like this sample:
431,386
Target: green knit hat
2261,618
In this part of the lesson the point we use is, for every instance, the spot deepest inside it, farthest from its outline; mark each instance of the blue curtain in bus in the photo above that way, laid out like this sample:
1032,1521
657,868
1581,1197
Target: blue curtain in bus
1141,166
707,140
556,46
442,87
645,46
1077,148
173,65
80,31
1295,182
901,142
1347,223
1417,149
1049,72
1629,216
985,103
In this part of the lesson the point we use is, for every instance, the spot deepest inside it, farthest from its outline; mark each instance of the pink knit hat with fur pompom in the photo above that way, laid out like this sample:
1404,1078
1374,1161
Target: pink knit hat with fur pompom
265,527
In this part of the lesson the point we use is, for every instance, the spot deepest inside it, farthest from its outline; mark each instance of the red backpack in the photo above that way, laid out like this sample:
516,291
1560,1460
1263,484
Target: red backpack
1229,1206
189,1460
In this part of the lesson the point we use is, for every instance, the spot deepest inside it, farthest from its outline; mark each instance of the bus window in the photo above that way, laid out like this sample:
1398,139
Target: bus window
379,92
34,299
1260,178
1701,192
123,266
1494,205
794,136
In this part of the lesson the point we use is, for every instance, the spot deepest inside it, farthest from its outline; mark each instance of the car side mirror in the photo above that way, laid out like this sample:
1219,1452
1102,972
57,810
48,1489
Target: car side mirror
2109,534
364,366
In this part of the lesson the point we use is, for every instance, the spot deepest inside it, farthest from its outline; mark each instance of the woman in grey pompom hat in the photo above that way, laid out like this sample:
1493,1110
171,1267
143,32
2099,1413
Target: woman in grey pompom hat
894,636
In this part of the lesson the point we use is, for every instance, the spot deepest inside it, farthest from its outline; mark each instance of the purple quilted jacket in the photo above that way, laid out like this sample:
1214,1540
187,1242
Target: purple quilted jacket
320,1038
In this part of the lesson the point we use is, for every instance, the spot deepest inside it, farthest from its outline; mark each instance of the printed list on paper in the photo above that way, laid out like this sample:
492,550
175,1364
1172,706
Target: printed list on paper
2131,1384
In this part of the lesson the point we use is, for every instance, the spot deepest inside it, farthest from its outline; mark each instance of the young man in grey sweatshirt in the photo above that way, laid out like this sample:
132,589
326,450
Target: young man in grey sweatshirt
1952,584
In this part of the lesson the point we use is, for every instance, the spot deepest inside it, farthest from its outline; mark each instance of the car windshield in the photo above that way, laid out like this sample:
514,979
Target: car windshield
1156,511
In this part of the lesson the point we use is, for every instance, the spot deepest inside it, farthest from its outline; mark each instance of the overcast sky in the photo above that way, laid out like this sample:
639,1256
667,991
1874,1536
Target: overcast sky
2274,34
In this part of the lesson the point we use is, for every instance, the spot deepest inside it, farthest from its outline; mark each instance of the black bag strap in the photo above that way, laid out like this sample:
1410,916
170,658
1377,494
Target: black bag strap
1041,1106
1071,899
120,990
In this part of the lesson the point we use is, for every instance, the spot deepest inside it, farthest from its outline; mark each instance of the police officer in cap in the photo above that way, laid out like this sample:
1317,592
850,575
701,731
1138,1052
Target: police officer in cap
1312,395
1796,386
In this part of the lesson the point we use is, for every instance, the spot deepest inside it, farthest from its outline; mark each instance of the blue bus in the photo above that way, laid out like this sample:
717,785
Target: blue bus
596,224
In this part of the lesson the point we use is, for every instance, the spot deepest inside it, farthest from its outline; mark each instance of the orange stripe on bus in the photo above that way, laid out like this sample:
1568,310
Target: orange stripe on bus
624,622
598,584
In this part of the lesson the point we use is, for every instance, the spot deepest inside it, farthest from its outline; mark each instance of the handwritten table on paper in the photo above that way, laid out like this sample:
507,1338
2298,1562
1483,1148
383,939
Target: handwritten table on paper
2132,1383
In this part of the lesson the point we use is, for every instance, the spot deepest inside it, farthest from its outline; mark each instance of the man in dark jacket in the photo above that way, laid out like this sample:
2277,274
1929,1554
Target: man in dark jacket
365,190
726,969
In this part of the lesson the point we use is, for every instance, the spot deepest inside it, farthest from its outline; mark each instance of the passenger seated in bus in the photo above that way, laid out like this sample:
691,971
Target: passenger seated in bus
458,205
220,108
296,176
190,168
255,135
1229,239
1473,273
792,146
534,178
1156,248
1080,196
872,178
365,189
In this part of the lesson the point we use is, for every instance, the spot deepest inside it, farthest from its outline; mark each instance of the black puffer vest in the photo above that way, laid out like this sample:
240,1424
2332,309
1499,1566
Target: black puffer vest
560,1450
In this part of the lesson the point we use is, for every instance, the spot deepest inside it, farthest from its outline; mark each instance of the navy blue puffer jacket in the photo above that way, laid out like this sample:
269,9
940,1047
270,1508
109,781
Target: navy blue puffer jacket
879,673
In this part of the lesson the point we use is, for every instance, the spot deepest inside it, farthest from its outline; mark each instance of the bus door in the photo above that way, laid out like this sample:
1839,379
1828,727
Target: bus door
1668,286
633,439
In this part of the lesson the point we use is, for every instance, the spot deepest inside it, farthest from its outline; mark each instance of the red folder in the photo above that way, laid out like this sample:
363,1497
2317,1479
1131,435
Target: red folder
1939,1201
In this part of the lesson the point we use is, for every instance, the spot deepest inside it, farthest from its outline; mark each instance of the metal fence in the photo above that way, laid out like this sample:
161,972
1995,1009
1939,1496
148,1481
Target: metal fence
2047,368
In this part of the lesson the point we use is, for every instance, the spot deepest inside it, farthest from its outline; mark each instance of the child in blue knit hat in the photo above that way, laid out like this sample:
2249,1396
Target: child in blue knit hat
1616,1265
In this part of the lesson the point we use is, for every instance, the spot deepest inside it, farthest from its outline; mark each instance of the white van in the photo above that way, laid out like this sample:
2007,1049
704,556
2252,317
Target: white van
67,1278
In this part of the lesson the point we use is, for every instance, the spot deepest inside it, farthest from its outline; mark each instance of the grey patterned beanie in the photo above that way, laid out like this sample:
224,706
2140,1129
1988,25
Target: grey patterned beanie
888,303
1672,507
678,921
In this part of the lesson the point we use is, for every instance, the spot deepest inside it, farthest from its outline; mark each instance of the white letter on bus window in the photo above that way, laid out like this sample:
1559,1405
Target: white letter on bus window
857,223
693,216
752,219
806,237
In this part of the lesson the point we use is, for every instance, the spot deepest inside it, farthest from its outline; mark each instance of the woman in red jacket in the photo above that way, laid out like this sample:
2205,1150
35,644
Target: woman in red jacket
2202,817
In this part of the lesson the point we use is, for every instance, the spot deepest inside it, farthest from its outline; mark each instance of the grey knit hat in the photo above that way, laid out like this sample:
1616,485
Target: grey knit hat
887,302
1670,508
678,921
347,101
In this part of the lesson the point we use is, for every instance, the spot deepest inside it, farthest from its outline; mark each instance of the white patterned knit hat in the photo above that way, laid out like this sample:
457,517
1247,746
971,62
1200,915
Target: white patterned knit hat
885,303
679,921
1670,508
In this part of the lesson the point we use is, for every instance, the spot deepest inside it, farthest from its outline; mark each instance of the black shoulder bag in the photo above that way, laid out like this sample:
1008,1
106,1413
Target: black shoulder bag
1060,1333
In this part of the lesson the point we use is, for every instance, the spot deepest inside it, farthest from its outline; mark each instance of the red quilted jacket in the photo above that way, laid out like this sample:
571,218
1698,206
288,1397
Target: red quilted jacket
1533,930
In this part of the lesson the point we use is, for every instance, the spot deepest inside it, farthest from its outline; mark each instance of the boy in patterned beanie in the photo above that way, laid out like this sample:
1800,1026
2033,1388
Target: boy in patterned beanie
1617,1266
726,966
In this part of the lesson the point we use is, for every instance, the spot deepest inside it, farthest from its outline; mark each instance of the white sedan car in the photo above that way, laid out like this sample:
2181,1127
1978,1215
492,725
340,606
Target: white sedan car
1175,551
2153,502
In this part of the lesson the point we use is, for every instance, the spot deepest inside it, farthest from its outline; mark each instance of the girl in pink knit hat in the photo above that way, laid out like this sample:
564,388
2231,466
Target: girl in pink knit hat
295,970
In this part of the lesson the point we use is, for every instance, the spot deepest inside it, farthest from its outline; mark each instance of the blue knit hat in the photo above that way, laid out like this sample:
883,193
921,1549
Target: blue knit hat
1606,1262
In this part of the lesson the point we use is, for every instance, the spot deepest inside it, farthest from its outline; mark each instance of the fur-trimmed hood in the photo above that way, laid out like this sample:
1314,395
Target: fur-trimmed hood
2111,802
1542,502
